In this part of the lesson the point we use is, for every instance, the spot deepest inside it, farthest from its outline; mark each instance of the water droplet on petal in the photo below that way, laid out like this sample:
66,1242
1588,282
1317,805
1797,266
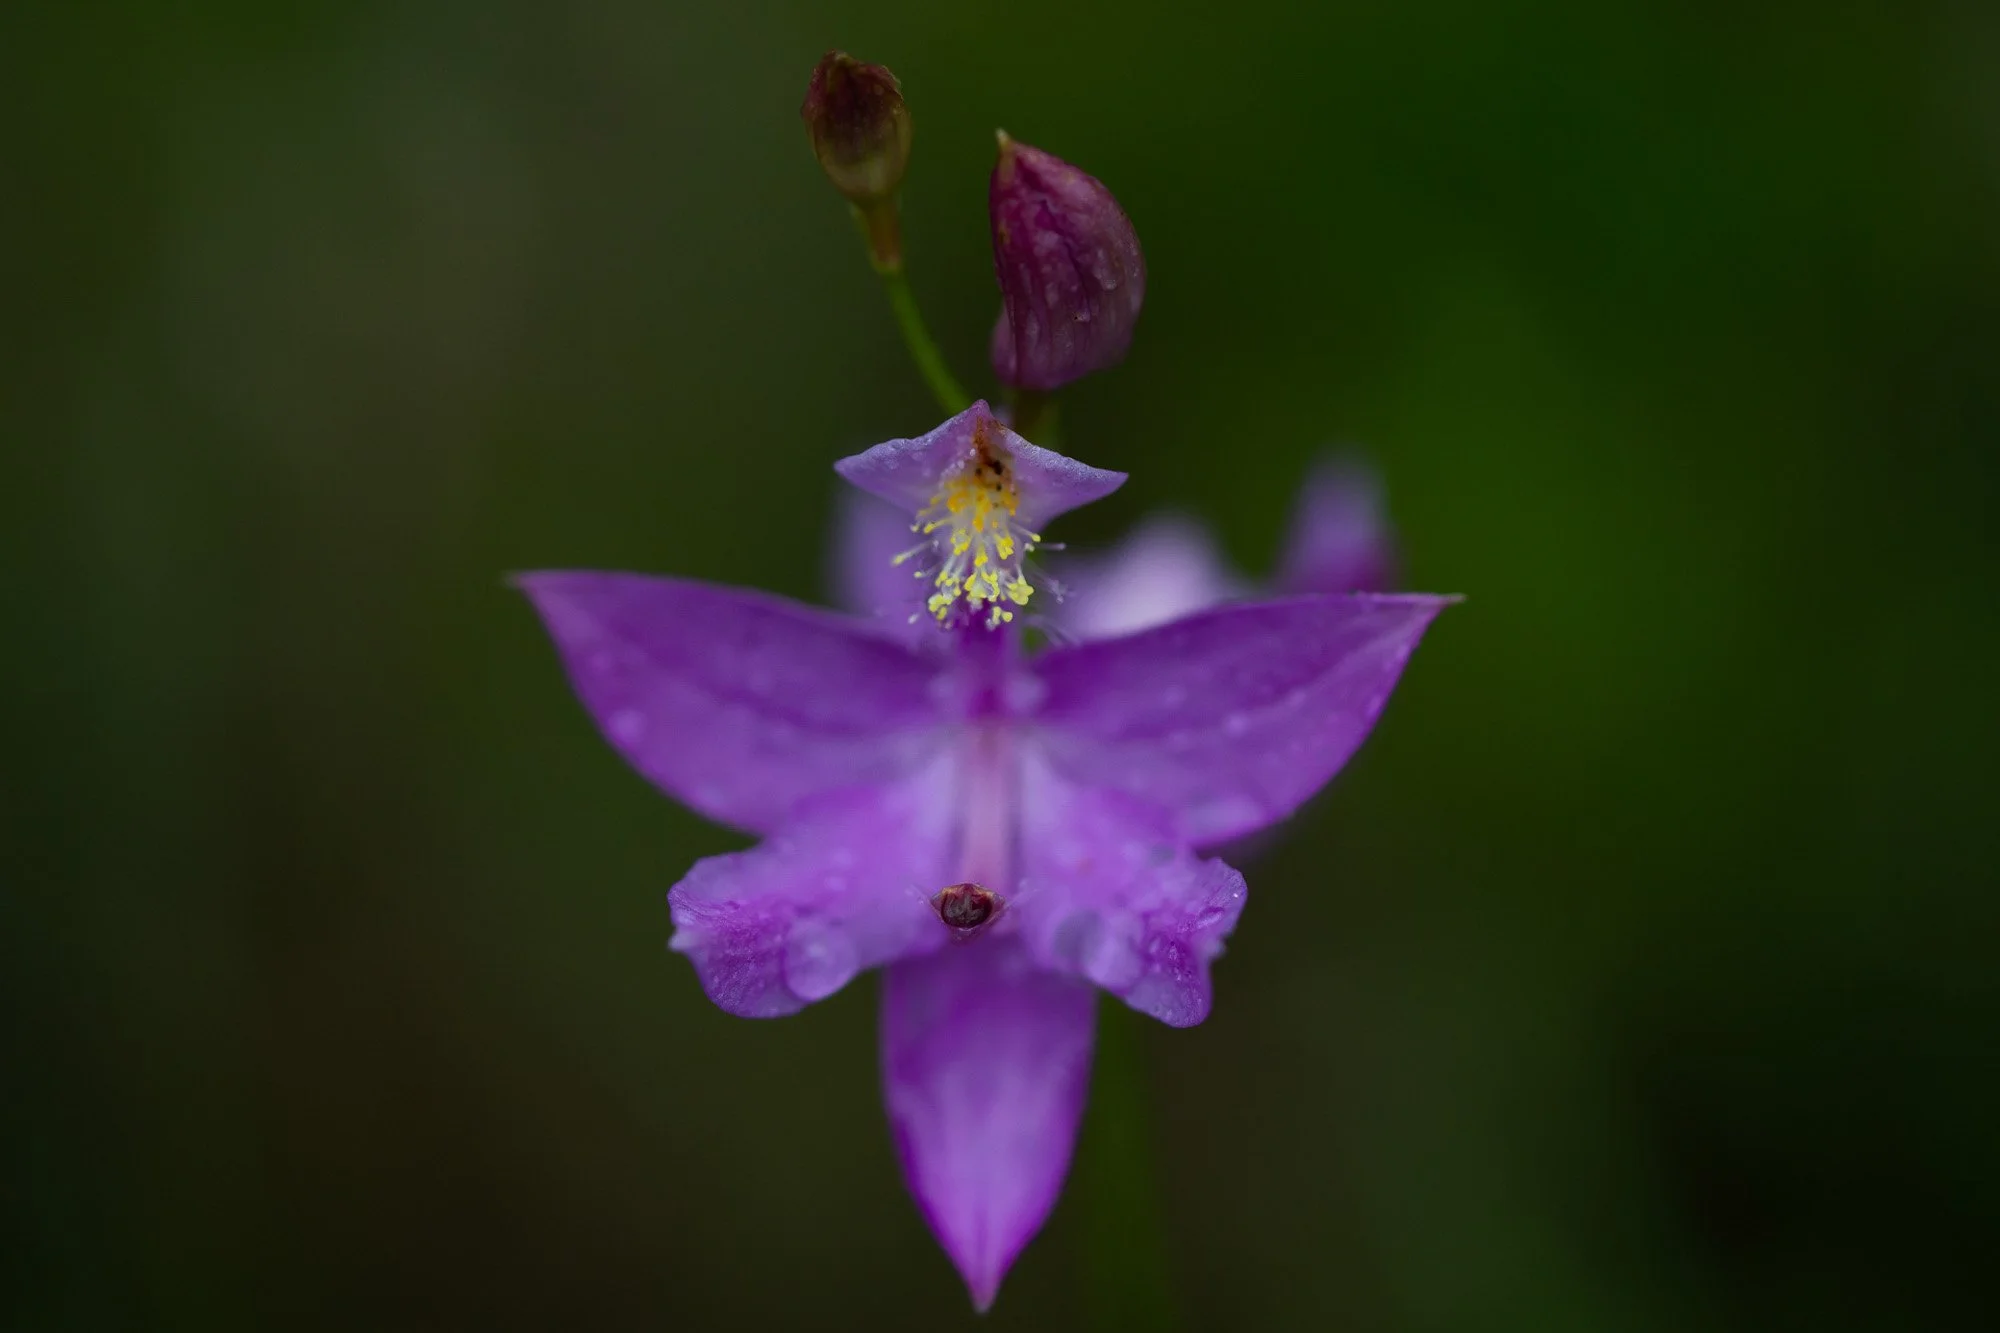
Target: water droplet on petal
819,960
1099,950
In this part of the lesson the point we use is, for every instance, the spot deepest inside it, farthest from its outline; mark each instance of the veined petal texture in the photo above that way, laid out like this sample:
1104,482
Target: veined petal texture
985,1067
844,888
907,473
1105,897
742,705
1224,722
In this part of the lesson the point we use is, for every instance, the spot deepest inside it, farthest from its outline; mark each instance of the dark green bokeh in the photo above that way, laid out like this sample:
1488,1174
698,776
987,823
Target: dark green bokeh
1637,975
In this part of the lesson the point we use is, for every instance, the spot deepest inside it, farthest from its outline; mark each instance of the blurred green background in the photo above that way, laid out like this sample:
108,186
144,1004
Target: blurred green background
1637,975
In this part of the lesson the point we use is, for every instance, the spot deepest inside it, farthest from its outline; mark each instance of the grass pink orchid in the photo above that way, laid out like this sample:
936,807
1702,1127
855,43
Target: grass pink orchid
1066,794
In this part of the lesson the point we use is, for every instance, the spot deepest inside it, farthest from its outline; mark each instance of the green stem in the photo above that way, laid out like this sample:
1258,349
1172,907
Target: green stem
916,337
881,226
1128,1274
1035,418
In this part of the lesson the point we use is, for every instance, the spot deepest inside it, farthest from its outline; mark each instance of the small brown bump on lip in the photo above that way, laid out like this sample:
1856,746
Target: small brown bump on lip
967,908
989,454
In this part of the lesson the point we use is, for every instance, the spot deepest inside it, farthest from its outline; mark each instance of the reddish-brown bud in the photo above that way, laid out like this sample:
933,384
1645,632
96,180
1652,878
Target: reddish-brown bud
859,126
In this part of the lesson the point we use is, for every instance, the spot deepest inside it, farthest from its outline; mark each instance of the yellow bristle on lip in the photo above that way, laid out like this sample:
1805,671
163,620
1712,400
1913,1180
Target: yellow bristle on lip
970,522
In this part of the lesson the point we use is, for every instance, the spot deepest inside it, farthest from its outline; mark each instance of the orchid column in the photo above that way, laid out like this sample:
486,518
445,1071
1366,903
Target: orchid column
1003,830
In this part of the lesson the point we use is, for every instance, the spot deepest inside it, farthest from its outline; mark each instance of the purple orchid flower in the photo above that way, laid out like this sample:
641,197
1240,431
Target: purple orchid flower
1000,831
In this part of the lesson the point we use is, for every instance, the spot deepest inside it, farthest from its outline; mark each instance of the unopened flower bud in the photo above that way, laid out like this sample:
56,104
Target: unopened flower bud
860,128
1071,275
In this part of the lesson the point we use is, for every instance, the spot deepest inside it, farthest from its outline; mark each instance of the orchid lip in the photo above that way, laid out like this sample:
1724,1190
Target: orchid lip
978,495
972,525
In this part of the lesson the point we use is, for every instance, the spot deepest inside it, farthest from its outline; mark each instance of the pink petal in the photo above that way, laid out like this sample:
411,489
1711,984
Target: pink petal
906,473
1340,539
742,705
985,1067
1167,568
1104,897
844,888
868,535
1225,722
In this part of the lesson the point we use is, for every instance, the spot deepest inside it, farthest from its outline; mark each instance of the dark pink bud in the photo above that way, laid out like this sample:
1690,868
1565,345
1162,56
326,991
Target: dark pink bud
1071,275
860,128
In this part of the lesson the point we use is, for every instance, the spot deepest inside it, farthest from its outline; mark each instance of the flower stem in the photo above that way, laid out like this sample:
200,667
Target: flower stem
1035,418
1127,1272
916,337
881,226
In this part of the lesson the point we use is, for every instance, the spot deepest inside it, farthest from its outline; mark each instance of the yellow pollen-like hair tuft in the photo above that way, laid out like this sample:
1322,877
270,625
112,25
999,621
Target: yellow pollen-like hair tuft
970,526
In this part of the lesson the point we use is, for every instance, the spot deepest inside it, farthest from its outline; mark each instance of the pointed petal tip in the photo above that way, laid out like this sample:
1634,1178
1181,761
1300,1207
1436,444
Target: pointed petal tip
528,581
986,1064
982,1272
1225,721
1430,603
741,705
907,472
1176,1010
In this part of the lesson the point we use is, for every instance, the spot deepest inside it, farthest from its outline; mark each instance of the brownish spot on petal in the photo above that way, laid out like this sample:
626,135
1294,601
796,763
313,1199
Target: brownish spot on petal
967,908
